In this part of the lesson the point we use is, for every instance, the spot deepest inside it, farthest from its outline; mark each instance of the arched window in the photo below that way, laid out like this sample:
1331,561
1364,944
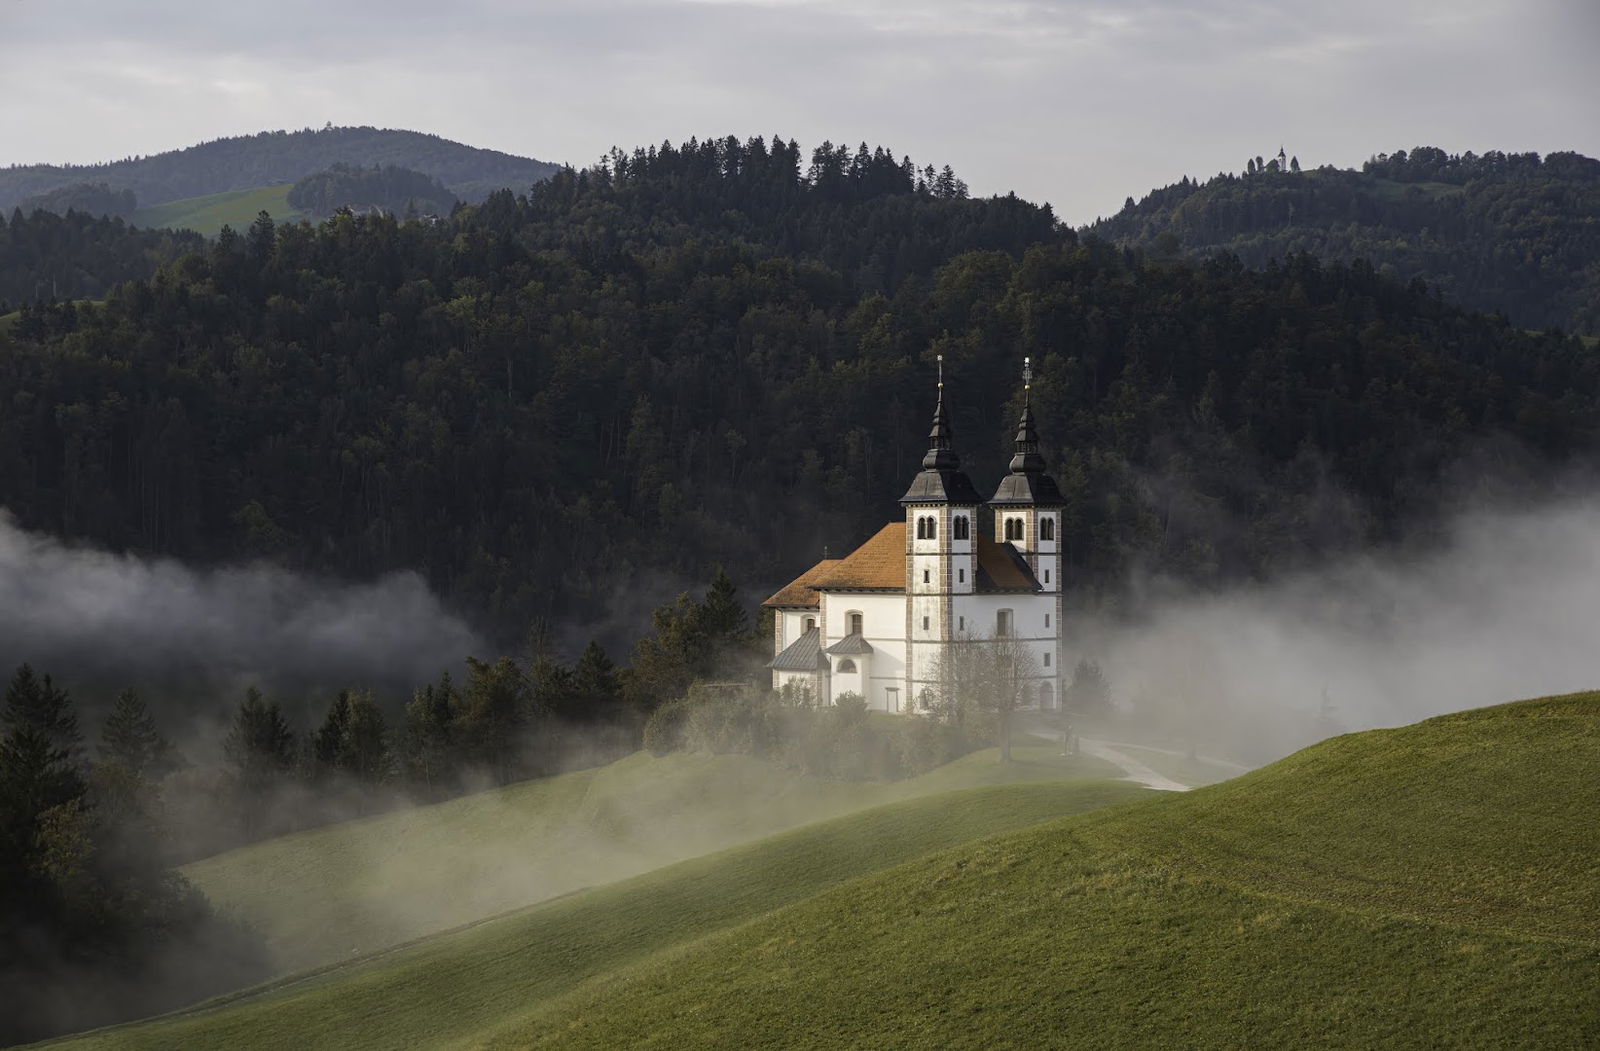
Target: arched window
846,667
811,623
1047,529
933,528
1013,529
855,623
922,528
961,529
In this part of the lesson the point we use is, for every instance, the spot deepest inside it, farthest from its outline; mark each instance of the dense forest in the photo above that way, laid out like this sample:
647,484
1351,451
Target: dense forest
86,197
272,158
1513,233
564,406
45,256
96,926
398,191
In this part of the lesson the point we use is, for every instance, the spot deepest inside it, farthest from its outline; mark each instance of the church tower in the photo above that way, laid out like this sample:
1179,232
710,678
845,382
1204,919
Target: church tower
1027,515
941,551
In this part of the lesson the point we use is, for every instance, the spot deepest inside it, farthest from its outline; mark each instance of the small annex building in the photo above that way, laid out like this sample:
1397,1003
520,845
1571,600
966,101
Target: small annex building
878,621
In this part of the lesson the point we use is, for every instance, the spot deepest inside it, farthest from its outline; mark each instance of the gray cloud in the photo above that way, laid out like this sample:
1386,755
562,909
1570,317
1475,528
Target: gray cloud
1506,606
78,612
1073,102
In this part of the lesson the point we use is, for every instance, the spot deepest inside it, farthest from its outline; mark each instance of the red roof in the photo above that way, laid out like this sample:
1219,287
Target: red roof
880,565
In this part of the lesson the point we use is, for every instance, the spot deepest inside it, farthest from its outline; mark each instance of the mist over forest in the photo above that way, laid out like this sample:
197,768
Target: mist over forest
316,522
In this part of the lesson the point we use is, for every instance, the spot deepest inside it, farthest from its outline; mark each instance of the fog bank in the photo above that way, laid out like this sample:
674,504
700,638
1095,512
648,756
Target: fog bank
81,612
1506,607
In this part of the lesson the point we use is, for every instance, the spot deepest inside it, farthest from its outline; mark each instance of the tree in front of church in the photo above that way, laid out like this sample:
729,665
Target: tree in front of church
981,683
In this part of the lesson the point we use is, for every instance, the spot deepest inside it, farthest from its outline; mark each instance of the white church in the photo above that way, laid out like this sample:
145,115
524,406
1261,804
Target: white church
877,622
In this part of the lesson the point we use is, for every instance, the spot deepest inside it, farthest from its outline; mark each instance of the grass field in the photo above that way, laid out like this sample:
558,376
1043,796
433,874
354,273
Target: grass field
1431,886
328,894
208,215
449,990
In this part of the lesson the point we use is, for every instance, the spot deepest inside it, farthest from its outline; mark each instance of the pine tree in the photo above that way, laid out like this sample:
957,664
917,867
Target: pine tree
260,745
429,744
129,738
37,703
328,745
594,681
365,753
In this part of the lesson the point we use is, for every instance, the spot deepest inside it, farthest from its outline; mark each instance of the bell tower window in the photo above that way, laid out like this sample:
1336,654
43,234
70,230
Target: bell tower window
1047,529
1014,529
961,528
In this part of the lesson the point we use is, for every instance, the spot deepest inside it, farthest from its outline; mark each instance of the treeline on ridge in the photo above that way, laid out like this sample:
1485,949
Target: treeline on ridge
1513,233
391,189
722,353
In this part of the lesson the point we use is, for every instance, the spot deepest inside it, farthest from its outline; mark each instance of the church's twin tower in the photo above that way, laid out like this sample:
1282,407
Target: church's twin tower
955,594
888,620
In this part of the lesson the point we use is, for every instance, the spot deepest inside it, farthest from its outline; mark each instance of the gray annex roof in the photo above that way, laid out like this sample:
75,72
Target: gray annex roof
803,654
852,645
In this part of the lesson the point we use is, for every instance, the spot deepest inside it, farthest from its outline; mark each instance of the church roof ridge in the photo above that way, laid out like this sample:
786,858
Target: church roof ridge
879,564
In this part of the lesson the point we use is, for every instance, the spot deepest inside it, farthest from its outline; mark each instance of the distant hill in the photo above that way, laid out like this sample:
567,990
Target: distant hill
274,158
1430,886
1515,233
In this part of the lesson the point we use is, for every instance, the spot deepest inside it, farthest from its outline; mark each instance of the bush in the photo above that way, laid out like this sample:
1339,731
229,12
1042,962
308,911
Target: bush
665,732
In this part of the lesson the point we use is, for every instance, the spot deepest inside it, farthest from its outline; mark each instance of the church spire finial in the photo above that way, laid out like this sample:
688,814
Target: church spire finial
1027,381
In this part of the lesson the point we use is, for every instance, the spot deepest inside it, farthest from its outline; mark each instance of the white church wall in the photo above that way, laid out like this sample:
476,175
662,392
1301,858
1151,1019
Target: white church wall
883,624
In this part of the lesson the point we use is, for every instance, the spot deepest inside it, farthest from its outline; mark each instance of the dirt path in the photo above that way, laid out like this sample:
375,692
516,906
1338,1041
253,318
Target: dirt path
1132,769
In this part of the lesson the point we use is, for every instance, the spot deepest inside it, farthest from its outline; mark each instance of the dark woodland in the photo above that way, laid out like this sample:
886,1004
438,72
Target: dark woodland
1511,233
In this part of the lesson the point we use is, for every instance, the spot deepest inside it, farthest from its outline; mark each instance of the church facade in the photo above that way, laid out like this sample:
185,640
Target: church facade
882,620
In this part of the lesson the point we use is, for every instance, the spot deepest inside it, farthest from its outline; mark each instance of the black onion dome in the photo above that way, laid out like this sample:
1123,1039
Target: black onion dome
941,480
1028,483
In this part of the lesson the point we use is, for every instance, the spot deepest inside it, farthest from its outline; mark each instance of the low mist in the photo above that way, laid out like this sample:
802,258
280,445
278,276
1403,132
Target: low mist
1506,606
85,613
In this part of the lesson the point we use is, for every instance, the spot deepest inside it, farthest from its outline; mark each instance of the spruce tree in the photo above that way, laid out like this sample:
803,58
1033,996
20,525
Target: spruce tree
130,739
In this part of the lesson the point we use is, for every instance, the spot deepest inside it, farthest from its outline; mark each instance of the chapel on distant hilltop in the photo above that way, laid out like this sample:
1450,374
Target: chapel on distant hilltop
880,620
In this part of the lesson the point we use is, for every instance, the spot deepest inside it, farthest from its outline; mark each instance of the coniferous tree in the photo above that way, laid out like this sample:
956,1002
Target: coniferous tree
129,738
429,750
260,747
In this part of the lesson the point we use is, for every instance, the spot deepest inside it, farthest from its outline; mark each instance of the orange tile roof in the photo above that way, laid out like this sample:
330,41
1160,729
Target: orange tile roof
880,565
799,591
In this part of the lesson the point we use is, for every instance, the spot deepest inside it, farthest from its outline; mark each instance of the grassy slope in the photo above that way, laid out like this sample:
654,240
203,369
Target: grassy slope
325,895
1428,886
208,215
446,991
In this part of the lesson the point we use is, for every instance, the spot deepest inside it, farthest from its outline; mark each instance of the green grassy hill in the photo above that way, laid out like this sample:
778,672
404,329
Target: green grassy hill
208,215
1431,886
452,989
325,895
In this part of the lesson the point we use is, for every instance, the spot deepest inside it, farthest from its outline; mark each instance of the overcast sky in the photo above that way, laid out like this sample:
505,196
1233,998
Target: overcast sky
1075,103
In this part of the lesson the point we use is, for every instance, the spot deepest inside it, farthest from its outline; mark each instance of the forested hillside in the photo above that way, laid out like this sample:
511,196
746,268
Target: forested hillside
45,256
398,191
275,157
565,406
1499,232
